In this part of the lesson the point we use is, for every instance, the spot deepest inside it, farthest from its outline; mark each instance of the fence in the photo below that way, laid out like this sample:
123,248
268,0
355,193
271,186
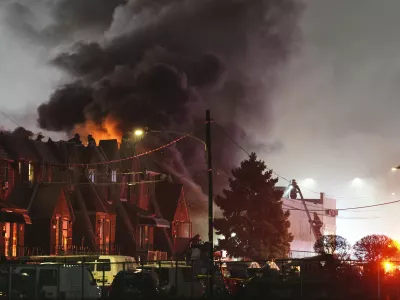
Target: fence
311,278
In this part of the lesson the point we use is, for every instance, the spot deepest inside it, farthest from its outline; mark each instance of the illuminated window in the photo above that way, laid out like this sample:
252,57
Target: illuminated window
65,233
14,240
114,175
104,235
56,227
92,175
7,234
31,172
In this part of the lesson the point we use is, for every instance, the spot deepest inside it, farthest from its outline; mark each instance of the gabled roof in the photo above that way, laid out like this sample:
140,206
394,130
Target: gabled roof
45,201
20,196
19,148
167,197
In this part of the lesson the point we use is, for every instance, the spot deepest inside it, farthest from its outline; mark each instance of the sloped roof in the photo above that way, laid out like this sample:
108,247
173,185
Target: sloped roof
3,154
20,197
45,200
110,149
46,152
70,152
19,148
94,199
167,197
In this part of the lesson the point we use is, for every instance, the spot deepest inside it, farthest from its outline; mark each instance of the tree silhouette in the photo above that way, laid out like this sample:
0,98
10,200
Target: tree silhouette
253,224
376,247
335,245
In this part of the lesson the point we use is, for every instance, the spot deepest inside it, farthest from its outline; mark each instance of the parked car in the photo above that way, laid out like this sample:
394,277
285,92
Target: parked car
134,285
21,286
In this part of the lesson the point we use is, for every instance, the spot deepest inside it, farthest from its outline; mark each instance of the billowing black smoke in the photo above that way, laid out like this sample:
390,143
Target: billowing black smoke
161,63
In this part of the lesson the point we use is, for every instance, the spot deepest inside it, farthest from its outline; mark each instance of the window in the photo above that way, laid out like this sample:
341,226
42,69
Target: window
31,172
92,175
7,234
56,227
48,278
114,176
103,265
65,233
14,239
104,234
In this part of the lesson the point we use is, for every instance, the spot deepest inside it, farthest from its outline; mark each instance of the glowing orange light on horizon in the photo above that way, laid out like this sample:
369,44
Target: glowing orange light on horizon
106,131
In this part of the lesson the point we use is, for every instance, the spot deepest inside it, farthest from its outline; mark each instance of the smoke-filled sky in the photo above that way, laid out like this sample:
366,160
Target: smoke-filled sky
329,108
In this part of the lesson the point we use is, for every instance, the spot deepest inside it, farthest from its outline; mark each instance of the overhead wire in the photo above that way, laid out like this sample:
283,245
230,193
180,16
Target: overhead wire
275,173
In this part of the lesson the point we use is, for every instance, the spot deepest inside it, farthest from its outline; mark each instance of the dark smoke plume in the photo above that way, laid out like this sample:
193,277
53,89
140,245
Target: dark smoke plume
162,63
19,131
68,18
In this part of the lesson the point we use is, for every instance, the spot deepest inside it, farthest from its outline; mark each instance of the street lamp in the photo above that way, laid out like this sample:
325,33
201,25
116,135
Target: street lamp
138,132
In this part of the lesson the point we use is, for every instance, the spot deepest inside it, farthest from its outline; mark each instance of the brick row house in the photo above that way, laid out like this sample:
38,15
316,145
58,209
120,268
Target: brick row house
66,197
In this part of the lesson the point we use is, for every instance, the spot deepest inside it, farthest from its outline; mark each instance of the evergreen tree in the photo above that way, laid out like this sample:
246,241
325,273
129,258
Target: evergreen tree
253,224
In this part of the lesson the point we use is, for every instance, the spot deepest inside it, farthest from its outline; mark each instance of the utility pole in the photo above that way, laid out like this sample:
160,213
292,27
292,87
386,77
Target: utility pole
210,205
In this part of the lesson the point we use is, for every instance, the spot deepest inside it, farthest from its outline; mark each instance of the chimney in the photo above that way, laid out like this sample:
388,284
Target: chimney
321,198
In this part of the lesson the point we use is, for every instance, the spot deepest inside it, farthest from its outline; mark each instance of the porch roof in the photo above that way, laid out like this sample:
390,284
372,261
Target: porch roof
153,221
14,217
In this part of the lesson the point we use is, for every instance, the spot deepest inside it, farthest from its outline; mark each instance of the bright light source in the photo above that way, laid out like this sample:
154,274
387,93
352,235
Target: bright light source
388,267
233,234
138,132
308,182
357,182
393,194
394,169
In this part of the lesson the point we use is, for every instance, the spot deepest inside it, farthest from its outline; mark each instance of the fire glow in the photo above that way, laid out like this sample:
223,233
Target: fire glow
107,130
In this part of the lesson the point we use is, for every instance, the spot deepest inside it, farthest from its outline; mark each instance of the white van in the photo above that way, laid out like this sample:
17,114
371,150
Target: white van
106,267
55,281
103,267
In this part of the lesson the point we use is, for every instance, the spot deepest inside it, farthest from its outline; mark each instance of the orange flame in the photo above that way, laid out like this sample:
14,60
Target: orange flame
107,130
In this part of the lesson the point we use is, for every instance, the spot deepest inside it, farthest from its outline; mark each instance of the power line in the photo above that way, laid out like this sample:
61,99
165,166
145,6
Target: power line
247,152
10,119
275,173
314,210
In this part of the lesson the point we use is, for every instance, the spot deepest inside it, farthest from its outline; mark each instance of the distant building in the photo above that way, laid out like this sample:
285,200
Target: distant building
303,237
